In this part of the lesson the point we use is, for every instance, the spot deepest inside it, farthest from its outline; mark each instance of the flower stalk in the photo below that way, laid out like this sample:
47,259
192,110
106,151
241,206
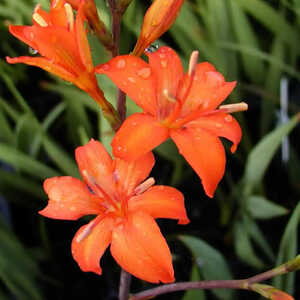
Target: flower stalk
249,284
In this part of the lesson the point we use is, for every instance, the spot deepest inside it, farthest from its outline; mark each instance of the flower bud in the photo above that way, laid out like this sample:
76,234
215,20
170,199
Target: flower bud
270,292
158,19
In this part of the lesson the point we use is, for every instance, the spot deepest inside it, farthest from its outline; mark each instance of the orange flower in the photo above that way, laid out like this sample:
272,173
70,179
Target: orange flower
177,105
64,49
125,209
90,11
158,19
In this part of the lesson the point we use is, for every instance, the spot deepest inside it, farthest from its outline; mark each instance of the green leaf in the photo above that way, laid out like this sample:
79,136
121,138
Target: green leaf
259,238
243,245
245,35
262,154
271,19
288,249
194,294
10,180
62,159
261,208
17,269
207,259
25,163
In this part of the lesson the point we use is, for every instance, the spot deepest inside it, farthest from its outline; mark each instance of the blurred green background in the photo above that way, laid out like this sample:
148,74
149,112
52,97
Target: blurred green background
252,223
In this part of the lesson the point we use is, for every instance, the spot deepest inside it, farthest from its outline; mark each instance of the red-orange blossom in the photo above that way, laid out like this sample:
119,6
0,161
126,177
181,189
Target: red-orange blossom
125,205
183,106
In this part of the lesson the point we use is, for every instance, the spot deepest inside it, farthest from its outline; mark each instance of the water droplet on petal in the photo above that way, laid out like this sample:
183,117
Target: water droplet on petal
32,51
228,118
162,55
163,63
31,35
218,125
152,48
131,79
121,64
144,73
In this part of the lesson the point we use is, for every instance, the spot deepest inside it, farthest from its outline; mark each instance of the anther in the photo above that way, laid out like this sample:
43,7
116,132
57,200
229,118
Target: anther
39,19
168,97
232,108
86,231
70,15
193,62
144,186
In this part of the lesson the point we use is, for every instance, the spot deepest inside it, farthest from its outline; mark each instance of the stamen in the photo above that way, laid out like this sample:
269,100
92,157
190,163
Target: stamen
86,231
39,19
193,62
232,108
70,15
144,186
168,97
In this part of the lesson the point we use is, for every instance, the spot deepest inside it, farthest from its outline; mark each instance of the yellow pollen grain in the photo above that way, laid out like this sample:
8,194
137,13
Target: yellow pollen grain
39,19
70,15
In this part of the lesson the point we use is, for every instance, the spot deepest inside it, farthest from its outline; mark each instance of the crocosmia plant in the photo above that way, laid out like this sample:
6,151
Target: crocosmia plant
179,105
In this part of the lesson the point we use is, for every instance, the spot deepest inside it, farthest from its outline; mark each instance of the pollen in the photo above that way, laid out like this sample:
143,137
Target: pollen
70,15
39,19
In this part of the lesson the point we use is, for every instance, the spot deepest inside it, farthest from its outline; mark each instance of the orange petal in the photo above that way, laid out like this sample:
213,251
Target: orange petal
133,76
82,41
96,166
58,14
204,152
208,89
69,199
220,124
139,134
45,64
168,71
160,202
139,248
24,33
128,174
158,19
87,250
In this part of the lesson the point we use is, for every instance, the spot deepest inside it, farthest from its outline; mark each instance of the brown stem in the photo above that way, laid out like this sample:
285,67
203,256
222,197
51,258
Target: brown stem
116,26
209,284
125,278
124,288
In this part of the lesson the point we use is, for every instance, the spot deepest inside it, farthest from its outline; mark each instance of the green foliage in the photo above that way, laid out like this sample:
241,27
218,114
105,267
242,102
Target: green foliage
211,263
43,119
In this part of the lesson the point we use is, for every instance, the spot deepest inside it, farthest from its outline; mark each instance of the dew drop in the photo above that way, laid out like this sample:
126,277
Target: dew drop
162,55
32,51
152,48
121,64
228,118
144,73
72,208
218,125
31,35
131,79
163,63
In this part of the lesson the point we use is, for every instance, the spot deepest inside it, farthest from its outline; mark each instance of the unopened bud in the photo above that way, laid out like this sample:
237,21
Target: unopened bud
158,19
270,292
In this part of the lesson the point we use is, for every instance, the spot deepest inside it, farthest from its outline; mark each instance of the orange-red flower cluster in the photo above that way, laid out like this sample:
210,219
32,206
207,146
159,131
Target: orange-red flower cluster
183,106
125,205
